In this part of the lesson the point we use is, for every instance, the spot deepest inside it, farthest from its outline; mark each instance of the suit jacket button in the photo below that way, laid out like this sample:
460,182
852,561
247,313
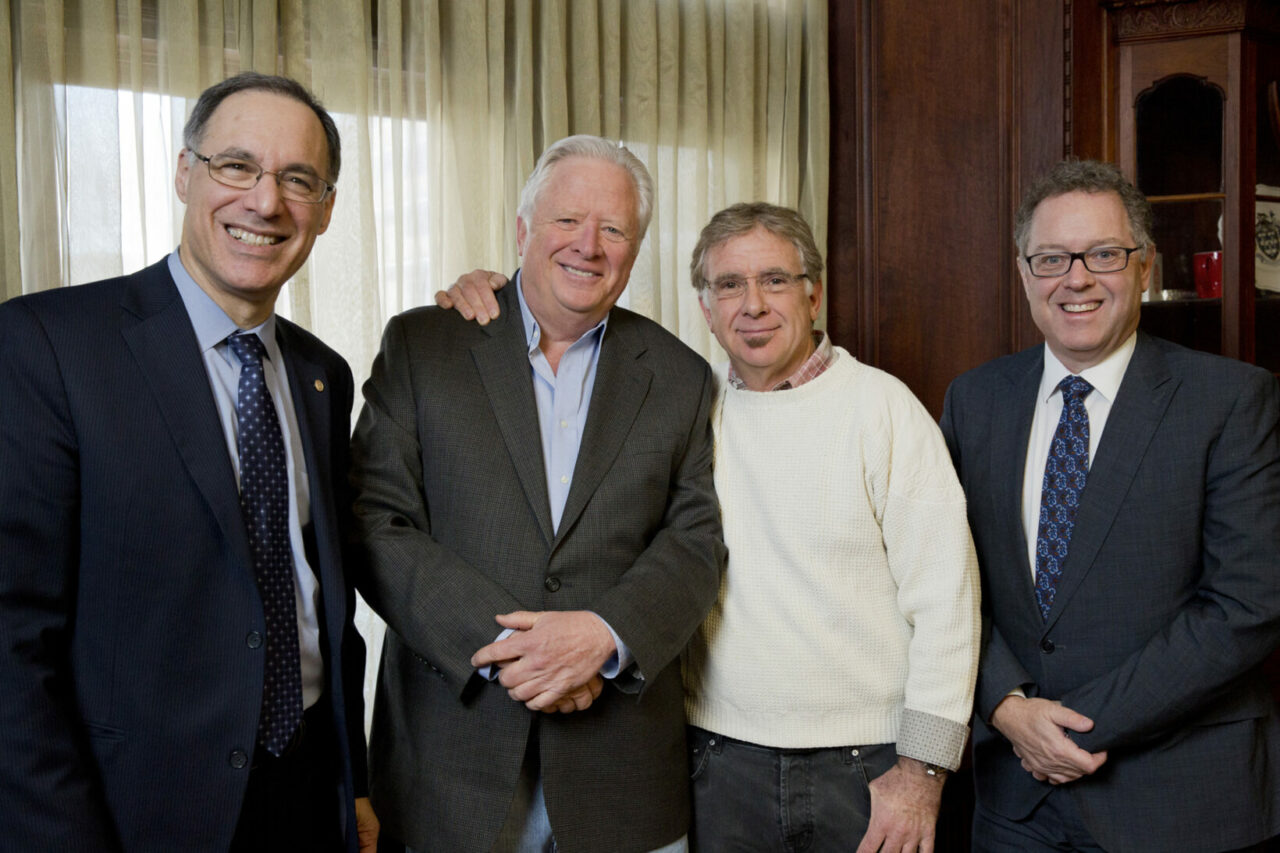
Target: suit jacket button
1046,646
238,759
552,584
253,640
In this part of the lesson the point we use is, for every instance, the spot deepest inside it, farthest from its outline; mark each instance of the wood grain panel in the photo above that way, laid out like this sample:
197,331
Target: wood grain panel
941,110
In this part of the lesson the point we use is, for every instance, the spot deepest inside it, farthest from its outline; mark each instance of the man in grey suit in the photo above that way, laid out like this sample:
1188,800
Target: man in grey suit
587,548
1123,496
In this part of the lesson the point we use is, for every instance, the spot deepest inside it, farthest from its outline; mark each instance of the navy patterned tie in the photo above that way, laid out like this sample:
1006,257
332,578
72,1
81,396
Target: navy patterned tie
1064,477
264,501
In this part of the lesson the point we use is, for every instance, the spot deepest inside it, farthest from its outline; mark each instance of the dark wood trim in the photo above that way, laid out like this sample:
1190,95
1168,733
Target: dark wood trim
846,242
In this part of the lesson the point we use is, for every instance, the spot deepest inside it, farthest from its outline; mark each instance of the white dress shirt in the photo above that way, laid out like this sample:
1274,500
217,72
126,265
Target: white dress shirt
1105,377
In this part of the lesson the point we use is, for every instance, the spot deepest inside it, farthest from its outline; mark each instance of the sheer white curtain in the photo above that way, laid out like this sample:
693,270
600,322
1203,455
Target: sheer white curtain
443,106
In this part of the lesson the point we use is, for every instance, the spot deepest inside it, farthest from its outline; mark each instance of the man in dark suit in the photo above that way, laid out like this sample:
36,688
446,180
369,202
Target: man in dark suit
546,477
1123,495
178,664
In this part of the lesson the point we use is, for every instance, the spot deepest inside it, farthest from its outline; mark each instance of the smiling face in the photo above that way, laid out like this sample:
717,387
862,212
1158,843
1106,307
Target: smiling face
1084,316
241,246
767,336
578,245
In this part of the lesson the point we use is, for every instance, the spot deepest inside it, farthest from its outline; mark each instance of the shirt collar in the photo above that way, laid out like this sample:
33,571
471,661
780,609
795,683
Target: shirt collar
533,333
814,366
211,323
1105,376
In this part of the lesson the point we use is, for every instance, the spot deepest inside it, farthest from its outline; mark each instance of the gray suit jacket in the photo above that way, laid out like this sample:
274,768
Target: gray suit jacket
453,509
1167,606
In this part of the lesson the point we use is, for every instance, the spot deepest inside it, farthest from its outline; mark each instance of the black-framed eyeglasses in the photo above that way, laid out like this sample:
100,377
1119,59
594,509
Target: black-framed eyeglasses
1101,259
770,282
242,174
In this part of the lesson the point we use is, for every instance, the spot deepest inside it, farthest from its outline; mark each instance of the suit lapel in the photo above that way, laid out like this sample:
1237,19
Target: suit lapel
1140,404
620,389
309,386
502,360
1009,466
309,383
168,355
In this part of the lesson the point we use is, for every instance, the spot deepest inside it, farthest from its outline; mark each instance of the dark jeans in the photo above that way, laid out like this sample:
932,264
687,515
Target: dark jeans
754,798
292,801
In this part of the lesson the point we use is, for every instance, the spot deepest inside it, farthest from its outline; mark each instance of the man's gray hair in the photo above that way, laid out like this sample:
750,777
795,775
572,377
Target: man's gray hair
739,219
1090,176
252,81
594,148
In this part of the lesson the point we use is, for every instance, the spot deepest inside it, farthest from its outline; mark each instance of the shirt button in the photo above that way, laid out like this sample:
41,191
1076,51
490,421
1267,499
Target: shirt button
563,478
552,584
253,640
564,425
239,759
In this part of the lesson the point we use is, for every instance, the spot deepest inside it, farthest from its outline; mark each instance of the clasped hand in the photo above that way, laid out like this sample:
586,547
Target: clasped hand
552,660
1038,730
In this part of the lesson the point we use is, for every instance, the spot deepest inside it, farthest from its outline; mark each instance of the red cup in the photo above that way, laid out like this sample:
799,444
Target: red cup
1208,268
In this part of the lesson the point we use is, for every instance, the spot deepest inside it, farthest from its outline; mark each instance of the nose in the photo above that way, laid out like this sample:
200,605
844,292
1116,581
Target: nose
587,241
753,302
264,197
1078,275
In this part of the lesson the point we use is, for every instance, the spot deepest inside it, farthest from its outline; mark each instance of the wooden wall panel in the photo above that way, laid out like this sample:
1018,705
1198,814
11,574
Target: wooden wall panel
941,111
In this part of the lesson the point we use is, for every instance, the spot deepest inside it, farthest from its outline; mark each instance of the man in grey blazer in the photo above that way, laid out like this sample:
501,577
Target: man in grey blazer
1128,534
563,572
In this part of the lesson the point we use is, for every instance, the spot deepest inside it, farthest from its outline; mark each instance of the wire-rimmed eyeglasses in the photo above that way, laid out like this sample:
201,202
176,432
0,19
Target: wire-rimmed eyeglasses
241,174
733,287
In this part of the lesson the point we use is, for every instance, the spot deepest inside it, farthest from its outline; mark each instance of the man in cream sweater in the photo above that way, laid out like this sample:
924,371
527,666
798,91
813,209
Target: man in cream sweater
828,692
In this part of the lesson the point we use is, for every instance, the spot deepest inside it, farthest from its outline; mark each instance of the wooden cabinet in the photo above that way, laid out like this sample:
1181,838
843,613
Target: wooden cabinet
1198,130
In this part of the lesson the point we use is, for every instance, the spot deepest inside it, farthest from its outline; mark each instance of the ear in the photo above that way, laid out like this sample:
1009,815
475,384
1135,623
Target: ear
706,312
815,300
1148,268
182,176
522,235
328,211
1028,280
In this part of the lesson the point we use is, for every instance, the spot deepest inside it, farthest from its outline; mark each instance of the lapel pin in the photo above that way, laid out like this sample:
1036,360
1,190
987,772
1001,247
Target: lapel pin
319,385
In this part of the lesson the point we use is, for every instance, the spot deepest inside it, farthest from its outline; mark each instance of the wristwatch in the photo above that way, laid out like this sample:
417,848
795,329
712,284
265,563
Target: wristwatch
935,771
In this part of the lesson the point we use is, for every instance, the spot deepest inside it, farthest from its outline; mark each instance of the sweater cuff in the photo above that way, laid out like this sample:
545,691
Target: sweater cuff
931,739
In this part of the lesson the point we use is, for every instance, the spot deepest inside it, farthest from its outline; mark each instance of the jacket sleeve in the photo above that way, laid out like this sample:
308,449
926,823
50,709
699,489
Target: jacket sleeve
1232,621
52,800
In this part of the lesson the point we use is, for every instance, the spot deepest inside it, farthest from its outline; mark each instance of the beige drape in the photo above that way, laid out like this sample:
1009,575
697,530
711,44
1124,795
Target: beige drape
443,107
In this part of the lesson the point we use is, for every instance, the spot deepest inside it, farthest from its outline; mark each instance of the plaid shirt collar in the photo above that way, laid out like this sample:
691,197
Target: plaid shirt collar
813,367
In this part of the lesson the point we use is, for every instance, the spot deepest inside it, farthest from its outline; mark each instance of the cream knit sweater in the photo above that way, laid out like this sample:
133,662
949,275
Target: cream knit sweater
849,611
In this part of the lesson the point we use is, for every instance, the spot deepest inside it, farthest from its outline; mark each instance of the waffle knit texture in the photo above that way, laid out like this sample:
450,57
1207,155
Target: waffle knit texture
849,610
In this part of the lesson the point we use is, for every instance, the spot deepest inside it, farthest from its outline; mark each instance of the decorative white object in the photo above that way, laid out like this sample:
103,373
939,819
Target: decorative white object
1267,240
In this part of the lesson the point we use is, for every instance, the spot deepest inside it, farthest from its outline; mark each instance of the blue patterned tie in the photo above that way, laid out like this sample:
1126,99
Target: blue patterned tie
1064,477
264,502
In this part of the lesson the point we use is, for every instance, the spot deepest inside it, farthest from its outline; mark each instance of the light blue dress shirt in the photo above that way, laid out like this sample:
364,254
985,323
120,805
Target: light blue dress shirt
213,327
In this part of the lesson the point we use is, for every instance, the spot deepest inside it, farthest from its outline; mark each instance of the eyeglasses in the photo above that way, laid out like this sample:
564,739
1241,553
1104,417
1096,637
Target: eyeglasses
1101,259
771,283
241,174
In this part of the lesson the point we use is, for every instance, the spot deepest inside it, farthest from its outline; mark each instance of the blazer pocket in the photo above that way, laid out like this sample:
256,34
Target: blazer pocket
107,744
99,731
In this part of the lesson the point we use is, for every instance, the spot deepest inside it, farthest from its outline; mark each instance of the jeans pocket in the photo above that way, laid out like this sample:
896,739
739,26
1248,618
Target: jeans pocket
700,743
872,761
